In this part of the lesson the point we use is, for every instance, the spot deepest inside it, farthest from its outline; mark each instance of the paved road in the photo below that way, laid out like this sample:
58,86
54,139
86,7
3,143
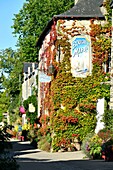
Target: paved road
34,159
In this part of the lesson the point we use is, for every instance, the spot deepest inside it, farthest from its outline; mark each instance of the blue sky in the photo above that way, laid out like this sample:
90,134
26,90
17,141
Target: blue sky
7,10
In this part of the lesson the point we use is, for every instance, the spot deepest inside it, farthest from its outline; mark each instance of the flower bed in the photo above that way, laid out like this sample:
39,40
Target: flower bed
99,146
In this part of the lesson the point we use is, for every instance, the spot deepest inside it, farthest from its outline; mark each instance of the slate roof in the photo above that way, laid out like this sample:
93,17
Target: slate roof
84,9
26,65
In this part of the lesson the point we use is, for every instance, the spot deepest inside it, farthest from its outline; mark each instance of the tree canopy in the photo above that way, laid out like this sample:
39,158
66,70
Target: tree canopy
32,19
28,25
10,80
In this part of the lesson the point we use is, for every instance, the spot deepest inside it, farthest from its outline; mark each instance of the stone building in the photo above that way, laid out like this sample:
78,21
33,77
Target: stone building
28,85
74,24
29,80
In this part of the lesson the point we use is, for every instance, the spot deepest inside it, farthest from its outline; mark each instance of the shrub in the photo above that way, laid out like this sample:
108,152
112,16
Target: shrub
92,146
7,162
45,143
107,146
85,144
107,150
67,123
31,116
4,138
108,119
95,144
32,135
105,135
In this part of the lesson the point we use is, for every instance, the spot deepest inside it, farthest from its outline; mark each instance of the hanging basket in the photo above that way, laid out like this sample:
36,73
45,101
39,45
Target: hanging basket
22,110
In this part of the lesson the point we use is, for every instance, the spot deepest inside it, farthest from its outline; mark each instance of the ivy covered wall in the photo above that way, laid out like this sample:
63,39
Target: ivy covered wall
71,101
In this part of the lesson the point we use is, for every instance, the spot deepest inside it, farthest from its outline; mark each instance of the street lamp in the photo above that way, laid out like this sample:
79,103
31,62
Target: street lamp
51,69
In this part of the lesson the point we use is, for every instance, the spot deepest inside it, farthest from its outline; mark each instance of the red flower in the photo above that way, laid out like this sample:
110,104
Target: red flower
74,135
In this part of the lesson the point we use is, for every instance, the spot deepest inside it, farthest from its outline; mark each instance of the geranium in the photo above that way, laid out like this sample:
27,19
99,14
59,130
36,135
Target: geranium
75,135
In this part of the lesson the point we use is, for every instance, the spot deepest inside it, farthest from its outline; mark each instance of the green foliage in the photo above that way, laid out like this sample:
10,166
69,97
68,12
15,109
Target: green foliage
45,143
4,138
64,126
69,124
95,144
107,150
108,119
11,65
32,19
1,117
31,116
4,103
109,10
6,60
91,146
105,134
78,96
85,144
32,133
107,146
8,162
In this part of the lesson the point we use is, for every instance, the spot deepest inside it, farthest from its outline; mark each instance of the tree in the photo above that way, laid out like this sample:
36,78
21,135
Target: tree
7,60
11,66
28,25
4,104
31,21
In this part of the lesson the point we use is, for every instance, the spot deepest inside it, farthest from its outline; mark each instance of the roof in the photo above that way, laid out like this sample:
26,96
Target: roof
45,31
26,65
83,9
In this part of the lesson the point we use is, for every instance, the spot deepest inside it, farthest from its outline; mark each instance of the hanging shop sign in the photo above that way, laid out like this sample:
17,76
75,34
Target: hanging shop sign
81,56
43,77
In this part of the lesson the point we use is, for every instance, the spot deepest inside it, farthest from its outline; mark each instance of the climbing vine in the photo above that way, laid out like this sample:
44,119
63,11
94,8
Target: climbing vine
31,116
71,101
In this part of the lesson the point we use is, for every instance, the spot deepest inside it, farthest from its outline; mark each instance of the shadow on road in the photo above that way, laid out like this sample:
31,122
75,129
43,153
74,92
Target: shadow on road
21,148
29,158
36,164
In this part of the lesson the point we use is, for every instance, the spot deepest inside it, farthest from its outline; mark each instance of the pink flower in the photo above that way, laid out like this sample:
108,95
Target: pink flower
22,110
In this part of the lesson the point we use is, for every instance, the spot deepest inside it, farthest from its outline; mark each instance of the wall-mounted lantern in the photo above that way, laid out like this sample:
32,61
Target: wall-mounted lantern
51,69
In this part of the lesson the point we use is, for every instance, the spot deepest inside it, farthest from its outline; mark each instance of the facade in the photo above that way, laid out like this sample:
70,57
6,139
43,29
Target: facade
29,81
29,84
74,24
